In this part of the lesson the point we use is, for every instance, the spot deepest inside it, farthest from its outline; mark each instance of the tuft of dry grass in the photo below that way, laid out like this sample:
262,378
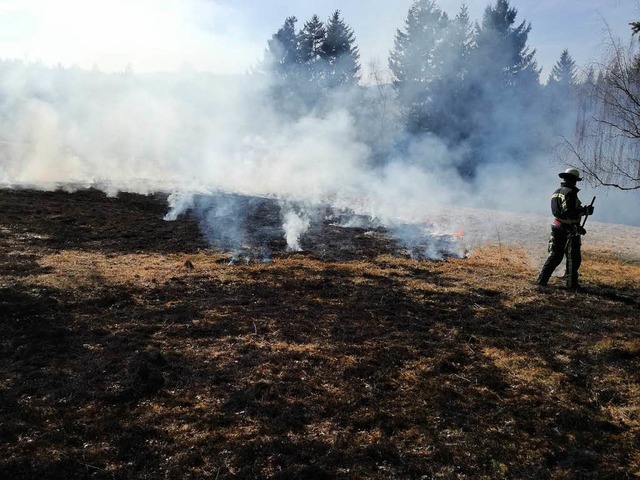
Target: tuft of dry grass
117,361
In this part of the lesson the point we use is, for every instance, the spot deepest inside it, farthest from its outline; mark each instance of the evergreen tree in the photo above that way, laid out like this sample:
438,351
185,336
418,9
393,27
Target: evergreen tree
461,39
455,89
306,66
562,94
311,40
414,58
591,76
416,62
282,63
340,53
502,47
505,91
563,73
283,55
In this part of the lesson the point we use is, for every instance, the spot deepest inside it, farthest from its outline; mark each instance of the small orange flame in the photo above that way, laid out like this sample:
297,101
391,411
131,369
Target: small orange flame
459,234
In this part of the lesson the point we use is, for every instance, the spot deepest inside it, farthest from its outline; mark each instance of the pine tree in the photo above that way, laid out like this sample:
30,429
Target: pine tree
340,53
504,81
455,89
305,66
283,55
563,73
414,58
416,62
561,94
282,64
502,47
311,39
462,40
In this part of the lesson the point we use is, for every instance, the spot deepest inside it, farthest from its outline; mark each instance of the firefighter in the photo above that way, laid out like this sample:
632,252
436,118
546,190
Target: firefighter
566,230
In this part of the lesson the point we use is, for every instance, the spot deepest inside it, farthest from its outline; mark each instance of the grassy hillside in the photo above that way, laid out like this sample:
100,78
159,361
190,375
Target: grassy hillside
118,361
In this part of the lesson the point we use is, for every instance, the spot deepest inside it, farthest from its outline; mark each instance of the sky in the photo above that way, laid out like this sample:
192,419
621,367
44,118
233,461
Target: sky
229,36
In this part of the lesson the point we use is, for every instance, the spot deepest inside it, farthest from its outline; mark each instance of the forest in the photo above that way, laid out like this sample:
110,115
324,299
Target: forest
474,85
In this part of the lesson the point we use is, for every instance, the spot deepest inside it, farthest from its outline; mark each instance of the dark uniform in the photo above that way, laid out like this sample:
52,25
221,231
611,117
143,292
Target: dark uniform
566,230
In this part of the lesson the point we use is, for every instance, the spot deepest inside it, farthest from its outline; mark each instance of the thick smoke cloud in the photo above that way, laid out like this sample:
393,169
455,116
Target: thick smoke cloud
197,136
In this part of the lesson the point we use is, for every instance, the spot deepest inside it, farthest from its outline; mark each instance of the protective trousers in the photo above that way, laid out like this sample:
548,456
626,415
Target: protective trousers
563,241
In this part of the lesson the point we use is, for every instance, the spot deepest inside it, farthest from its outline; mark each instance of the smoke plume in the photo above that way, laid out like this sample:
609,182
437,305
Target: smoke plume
210,140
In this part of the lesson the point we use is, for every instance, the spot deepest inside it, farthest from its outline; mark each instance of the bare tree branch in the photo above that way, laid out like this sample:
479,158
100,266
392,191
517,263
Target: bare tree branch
587,168
607,139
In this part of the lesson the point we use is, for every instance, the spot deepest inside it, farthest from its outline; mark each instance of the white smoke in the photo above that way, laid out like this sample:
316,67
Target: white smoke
179,204
198,135
295,225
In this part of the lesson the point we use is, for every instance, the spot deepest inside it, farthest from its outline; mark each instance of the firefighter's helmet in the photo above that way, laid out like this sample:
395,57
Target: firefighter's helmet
571,174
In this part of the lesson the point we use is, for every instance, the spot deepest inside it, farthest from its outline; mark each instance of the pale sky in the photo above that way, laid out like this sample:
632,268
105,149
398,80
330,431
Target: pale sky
229,36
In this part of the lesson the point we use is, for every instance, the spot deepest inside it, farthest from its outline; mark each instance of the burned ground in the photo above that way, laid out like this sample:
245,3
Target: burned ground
118,362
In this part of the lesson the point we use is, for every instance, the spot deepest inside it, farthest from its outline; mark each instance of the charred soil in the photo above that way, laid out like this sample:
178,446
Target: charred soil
129,349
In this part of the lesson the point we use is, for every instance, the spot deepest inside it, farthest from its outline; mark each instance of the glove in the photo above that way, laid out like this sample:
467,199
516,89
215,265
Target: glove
588,210
581,230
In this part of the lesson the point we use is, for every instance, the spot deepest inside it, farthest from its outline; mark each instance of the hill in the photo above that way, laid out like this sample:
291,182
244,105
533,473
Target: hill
130,349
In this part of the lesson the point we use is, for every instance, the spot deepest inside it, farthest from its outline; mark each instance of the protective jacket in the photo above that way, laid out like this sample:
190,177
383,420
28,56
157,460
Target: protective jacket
565,239
565,205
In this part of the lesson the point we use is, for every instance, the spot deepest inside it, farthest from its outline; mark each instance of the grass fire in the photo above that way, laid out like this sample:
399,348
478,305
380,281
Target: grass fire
319,240
131,348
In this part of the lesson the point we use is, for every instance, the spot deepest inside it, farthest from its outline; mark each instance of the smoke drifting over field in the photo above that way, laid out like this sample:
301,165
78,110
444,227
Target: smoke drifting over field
197,135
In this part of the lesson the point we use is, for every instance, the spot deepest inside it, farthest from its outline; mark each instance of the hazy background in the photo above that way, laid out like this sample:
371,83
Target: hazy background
153,95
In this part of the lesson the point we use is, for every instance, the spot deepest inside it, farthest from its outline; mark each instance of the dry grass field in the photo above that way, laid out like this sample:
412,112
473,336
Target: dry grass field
118,361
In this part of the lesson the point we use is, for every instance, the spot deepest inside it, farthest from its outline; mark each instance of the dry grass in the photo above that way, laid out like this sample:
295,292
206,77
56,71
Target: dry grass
120,362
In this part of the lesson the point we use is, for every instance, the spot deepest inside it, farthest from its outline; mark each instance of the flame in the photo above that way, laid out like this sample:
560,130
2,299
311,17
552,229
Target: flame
459,234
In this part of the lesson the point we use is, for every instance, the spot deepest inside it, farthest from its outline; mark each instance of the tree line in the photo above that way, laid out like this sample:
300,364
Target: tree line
475,86
310,62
